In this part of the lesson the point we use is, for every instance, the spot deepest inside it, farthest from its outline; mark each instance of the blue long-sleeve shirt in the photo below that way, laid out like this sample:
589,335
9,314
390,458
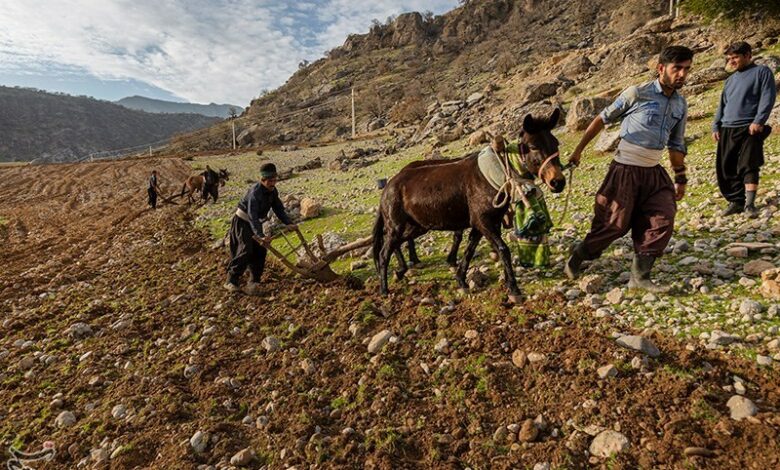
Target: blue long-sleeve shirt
257,201
650,119
747,98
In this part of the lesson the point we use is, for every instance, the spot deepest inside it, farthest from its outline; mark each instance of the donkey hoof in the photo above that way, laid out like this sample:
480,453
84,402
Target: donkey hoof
464,291
516,299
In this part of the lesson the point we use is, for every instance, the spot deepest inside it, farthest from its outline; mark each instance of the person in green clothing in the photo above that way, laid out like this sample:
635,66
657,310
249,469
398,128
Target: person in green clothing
532,219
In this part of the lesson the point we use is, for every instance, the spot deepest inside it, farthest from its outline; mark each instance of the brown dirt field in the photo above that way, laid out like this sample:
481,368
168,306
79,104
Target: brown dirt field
79,245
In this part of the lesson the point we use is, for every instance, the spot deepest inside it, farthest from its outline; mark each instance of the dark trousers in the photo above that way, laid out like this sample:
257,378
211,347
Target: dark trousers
633,198
152,197
739,159
245,252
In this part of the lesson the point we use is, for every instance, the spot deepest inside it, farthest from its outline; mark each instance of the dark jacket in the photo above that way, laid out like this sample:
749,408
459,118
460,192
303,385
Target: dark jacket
257,202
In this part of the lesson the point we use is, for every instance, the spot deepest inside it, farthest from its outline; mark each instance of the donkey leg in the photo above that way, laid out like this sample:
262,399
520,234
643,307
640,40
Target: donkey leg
389,245
493,234
413,259
474,237
402,267
452,257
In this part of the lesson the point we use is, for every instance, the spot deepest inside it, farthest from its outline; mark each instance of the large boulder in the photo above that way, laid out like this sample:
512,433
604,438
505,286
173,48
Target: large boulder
538,91
310,208
247,136
408,29
708,75
770,283
771,61
481,136
583,110
576,65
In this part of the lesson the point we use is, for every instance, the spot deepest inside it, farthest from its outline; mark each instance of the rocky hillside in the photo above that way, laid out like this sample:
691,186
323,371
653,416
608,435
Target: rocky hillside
150,105
56,127
482,64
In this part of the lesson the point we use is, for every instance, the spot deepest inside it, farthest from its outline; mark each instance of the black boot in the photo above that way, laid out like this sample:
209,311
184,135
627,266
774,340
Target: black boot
574,263
640,275
733,208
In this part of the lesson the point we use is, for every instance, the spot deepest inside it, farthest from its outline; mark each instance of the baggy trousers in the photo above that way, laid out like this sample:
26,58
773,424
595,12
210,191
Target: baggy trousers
245,252
152,197
633,198
739,159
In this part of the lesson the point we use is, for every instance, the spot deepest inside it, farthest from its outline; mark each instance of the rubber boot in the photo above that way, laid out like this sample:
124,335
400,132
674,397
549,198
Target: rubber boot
640,275
574,263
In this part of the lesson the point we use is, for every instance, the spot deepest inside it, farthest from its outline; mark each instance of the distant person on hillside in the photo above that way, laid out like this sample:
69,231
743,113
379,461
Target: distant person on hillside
247,241
153,190
637,193
740,129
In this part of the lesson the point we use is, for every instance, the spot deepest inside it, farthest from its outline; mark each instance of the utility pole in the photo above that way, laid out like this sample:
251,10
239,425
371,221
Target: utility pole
233,115
353,113
150,150
233,125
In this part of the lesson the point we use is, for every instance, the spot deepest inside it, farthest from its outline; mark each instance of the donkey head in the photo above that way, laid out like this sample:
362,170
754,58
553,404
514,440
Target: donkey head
223,176
539,150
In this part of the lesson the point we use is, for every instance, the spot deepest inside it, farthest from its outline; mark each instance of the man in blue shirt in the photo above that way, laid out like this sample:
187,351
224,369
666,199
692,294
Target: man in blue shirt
637,193
740,128
247,241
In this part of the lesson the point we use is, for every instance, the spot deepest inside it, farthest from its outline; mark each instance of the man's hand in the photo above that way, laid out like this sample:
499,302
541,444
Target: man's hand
755,129
716,136
679,192
263,241
574,159
292,227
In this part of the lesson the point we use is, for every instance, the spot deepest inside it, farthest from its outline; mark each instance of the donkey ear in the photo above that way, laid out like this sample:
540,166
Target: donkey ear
529,124
552,121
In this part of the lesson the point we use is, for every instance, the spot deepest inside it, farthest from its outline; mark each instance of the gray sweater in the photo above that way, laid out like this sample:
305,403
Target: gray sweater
748,97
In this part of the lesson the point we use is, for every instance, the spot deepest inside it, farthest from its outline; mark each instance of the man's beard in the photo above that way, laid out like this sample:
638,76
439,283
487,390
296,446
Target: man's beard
670,83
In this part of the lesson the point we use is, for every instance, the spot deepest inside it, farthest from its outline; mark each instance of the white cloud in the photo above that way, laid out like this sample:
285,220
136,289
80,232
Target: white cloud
201,50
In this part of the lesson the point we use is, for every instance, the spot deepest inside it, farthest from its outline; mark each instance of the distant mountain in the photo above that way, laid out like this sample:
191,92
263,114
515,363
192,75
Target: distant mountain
150,105
36,124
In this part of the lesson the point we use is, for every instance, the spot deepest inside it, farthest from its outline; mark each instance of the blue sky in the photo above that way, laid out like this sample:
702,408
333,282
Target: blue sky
223,51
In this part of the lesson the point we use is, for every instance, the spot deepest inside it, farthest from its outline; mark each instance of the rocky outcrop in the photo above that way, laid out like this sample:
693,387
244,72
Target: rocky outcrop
583,110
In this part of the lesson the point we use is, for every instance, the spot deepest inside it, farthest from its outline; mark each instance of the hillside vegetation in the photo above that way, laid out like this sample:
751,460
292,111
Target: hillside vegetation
55,127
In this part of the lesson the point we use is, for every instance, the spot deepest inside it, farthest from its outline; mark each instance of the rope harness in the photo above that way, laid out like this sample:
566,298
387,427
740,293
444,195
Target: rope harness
511,190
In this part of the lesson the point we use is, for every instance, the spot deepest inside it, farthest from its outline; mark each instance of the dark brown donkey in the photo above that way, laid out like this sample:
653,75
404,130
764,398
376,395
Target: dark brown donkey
455,196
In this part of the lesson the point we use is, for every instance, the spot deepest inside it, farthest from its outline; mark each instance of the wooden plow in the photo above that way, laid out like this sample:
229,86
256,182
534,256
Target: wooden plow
309,265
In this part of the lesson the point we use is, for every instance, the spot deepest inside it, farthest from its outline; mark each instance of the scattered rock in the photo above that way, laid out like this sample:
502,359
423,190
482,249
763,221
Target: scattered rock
243,457
378,341
591,283
271,344
65,419
756,267
528,431
536,357
519,358
770,283
199,441
639,343
608,443
310,208
78,331
606,371
615,296
119,412
741,407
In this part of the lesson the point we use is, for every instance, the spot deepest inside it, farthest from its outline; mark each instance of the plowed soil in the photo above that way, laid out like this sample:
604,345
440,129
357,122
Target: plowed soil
79,245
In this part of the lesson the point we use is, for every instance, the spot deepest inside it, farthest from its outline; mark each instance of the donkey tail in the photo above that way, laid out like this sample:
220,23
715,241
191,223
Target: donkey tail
183,189
379,236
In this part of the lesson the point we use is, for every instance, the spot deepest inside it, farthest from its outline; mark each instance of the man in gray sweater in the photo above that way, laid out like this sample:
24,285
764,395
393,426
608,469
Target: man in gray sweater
740,128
